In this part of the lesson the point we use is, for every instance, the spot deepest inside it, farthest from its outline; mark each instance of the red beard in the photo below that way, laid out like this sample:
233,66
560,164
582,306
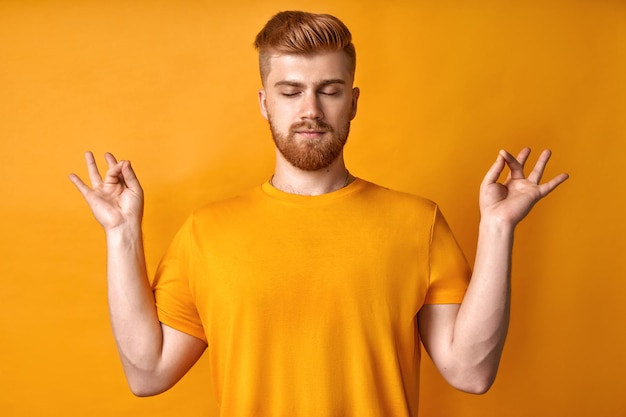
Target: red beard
310,154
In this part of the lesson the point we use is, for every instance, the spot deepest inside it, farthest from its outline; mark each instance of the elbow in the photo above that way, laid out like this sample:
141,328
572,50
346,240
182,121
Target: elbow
145,389
477,383
141,392
140,389
478,387
144,385
475,376
146,381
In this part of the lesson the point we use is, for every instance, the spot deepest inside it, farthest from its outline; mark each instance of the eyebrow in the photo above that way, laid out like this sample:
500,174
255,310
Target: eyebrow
298,84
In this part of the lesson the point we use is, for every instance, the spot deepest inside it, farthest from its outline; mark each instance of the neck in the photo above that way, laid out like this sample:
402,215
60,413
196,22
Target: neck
293,180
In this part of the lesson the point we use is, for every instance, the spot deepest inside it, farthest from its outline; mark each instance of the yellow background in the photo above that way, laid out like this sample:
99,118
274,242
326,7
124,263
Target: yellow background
172,86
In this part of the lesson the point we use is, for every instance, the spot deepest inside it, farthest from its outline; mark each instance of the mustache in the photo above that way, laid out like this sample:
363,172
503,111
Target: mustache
317,126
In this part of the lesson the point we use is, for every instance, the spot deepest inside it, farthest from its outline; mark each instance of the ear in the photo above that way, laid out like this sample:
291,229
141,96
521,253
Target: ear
263,103
355,99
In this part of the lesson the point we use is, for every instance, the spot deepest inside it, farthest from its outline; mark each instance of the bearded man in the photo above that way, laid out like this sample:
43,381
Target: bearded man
313,292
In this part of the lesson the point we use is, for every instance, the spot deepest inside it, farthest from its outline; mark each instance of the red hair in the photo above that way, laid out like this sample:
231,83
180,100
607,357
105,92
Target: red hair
295,32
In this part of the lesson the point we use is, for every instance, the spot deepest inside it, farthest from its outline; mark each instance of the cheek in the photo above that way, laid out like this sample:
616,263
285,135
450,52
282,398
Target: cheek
342,112
282,114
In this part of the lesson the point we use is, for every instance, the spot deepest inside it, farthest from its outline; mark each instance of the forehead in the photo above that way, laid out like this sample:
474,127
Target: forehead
310,68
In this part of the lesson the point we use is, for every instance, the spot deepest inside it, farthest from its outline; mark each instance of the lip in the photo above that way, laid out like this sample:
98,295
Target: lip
310,133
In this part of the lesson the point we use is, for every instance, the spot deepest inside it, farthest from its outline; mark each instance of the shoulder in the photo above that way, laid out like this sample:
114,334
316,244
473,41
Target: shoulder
225,205
394,198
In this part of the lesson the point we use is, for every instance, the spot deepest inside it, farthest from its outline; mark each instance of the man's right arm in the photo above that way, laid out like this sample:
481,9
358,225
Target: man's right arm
154,356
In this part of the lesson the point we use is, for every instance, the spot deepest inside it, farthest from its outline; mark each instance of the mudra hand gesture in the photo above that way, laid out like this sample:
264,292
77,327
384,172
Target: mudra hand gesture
509,202
116,199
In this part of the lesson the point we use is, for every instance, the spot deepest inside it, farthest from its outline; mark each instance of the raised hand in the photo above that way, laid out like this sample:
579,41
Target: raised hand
115,200
513,199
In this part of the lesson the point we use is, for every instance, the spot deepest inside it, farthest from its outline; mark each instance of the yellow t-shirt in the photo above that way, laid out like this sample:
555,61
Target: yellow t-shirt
308,304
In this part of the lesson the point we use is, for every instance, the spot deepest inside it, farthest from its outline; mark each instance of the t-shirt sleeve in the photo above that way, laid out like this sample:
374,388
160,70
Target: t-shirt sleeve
449,270
175,303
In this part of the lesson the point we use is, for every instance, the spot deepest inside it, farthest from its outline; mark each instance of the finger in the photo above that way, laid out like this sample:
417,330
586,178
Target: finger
82,187
130,178
110,159
114,173
92,169
494,171
549,186
517,169
540,166
522,156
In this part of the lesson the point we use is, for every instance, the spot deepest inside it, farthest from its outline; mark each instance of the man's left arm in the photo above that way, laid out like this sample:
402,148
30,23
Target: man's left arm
465,341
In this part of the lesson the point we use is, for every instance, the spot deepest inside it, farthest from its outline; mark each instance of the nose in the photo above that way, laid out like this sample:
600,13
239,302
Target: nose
311,107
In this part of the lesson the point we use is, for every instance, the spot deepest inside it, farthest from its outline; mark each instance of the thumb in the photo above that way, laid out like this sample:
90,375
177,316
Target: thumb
494,171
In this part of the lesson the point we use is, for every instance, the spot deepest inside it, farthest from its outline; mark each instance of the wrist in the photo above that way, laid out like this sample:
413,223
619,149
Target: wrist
127,232
496,225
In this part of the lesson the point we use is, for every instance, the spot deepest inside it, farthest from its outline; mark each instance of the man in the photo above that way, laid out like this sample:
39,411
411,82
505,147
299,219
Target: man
313,291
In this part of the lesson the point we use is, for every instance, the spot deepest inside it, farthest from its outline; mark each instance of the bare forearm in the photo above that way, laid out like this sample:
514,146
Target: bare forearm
483,317
154,356
466,340
132,307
